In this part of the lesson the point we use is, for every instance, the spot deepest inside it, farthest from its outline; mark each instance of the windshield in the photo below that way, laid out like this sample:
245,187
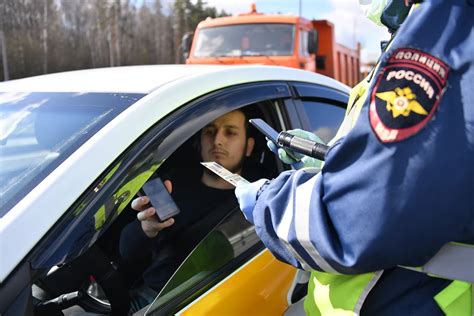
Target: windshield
39,130
246,40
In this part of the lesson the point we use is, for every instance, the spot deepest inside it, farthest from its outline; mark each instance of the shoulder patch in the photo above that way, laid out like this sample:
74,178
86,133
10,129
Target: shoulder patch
406,94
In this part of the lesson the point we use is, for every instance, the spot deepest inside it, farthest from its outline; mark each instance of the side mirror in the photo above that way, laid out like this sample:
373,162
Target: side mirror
186,43
313,42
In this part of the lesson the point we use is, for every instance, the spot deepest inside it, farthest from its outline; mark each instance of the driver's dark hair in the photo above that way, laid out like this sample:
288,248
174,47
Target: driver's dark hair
247,116
250,112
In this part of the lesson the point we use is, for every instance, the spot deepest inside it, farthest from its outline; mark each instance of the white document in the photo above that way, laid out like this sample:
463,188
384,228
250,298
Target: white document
225,174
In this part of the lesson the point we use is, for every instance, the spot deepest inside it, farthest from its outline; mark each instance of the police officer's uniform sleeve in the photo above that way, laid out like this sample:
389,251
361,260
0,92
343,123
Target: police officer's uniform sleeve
400,184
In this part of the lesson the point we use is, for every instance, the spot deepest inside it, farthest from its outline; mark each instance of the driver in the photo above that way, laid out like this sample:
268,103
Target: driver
225,141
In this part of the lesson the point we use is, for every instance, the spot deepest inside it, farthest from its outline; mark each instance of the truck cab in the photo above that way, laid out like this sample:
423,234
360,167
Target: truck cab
273,39
255,38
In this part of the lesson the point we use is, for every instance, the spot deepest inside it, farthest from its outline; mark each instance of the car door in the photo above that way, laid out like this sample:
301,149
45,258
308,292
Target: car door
262,284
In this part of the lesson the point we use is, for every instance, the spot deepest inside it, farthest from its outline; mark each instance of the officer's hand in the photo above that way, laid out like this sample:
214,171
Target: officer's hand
303,160
246,194
146,214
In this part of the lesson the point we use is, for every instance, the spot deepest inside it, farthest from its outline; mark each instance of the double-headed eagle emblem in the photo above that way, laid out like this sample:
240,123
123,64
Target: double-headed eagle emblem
401,102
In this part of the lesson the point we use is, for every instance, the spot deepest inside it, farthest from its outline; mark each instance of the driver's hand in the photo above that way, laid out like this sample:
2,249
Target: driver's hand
146,215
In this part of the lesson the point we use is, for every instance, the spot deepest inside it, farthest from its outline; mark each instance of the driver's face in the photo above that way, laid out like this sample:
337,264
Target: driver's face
225,141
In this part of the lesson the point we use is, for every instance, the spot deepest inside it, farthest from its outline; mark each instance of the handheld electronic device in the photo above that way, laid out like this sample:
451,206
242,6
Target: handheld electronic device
160,199
288,141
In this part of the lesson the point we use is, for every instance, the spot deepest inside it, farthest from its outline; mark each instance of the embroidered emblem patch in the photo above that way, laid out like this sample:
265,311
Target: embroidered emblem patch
406,94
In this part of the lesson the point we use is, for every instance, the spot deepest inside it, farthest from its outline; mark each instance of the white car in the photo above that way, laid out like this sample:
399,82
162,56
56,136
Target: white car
76,147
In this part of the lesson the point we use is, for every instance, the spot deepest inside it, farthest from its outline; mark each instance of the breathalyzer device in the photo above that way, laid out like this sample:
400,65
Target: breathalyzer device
288,141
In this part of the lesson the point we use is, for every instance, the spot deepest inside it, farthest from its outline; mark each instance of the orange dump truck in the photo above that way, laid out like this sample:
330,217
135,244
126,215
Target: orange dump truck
284,40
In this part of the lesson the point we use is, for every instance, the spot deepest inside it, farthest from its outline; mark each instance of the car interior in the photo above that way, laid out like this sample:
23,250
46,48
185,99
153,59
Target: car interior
99,281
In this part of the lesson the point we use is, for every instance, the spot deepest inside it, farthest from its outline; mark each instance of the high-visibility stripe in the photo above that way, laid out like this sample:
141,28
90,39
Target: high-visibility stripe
454,261
366,291
283,232
302,210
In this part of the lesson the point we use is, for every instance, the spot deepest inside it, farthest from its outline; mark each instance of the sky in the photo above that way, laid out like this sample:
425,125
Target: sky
350,23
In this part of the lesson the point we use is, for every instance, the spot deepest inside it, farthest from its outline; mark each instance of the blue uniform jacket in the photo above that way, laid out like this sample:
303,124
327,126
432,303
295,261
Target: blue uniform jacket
401,184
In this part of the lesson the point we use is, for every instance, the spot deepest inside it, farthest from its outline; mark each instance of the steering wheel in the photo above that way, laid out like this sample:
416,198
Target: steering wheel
90,281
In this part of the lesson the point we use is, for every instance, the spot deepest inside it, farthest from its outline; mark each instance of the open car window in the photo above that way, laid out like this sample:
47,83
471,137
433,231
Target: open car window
186,256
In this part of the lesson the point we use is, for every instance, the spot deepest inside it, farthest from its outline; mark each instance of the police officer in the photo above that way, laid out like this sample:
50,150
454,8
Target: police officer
395,189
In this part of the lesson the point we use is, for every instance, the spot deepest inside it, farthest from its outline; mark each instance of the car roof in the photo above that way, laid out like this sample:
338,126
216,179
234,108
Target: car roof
129,79
133,79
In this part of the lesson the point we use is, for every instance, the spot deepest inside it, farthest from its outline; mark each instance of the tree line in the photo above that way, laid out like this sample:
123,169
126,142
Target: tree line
47,36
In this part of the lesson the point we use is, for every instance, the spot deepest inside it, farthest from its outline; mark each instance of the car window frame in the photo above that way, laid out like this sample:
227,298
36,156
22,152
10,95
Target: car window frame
316,93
